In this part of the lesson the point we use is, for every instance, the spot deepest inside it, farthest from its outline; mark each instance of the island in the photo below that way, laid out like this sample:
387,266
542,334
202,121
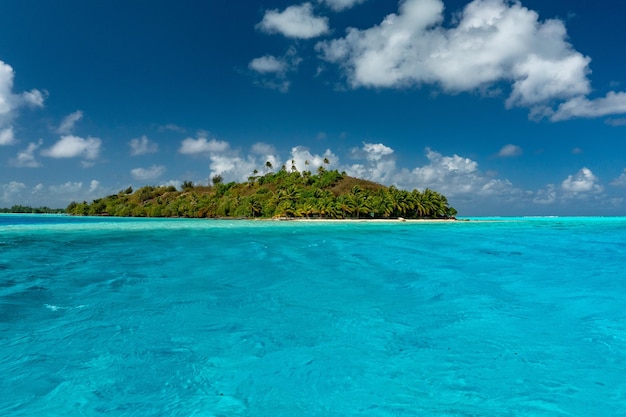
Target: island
327,194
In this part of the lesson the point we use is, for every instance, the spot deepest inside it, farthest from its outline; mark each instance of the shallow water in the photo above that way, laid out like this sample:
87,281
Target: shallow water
145,317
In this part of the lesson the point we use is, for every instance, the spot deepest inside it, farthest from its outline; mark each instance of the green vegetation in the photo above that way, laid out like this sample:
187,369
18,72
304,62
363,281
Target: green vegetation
327,194
28,209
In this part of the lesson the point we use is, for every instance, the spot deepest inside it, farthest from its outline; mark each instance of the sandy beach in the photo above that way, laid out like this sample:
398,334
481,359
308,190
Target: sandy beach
362,220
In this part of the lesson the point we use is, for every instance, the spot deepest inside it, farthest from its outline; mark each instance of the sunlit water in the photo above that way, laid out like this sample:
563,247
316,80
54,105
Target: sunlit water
119,317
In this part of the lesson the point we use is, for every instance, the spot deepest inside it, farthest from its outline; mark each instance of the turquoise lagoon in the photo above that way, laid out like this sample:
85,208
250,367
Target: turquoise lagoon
175,317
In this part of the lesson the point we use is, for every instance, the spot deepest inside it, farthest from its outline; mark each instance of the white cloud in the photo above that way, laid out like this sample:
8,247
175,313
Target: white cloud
509,151
584,181
450,175
339,5
142,145
55,196
26,158
546,196
11,102
154,172
379,165
376,151
261,148
69,190
620,181
453,176
491,42
67,125
300,155
7,137
294,22
94,185
172,127
11,191
173,183
268,64
272,71
68,187
200,146
32,98
616,122
73,146
233,168
581,107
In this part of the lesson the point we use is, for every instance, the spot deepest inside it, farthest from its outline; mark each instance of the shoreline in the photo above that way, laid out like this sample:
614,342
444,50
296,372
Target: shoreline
364,220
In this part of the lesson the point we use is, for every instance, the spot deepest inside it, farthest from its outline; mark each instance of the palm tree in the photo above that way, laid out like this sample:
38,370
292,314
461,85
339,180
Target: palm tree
254,206
217,179
345,204
305,210
382,205
326,207
361,205
359,201
418,203
284,209
430,202
400,200
269,166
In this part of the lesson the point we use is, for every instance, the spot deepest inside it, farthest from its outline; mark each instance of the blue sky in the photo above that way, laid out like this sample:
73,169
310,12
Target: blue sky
507,108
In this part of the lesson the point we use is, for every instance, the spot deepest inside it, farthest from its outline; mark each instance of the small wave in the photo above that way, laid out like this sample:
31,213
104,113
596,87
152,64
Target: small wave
60,308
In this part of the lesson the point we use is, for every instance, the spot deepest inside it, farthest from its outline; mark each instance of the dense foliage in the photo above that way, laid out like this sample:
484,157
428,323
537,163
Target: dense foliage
327,194
28,209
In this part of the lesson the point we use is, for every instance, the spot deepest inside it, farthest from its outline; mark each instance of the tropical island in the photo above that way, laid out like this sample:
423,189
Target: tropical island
284,194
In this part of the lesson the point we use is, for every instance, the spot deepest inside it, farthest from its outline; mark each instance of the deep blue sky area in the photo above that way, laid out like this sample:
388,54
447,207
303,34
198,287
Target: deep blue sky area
507,108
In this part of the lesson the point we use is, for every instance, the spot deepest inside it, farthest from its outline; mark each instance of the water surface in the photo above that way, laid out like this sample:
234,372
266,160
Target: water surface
152,317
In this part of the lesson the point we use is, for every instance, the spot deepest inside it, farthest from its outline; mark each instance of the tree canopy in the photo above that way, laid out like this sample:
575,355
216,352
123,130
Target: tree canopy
29,209
327,194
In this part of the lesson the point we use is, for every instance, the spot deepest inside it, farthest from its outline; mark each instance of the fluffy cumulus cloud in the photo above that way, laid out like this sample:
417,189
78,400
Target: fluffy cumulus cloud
265,153
581,183
154,172
378,162
613,103
7,137
233,167
272,71
142,145
620,181
490,42
339,5
294,22
456,177
55,196
65,193
26,158
546,196
67,124
11,102
510,150
227,162
262,148
303,160
74,147
11,190
202,146
268,64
